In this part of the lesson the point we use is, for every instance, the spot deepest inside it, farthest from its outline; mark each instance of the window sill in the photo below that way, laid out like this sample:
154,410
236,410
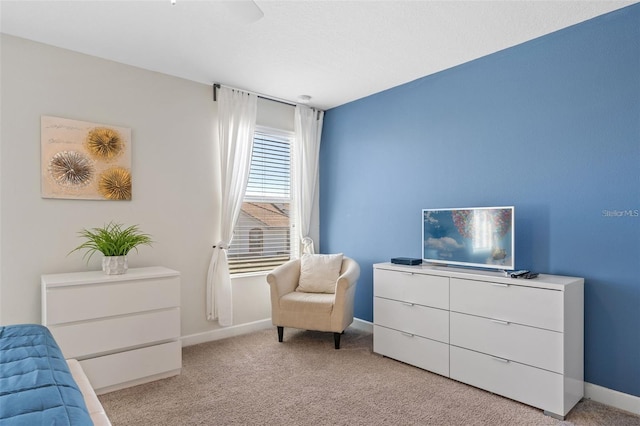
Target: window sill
250,274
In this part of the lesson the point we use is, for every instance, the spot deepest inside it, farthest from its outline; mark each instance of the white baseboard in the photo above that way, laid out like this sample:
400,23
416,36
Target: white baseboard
362,325
223,333
237,330
596,393
616,399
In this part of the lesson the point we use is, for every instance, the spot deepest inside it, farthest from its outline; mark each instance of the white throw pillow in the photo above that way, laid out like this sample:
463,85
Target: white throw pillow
319,272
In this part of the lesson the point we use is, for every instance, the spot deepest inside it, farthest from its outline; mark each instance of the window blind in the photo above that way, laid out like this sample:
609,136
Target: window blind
262,236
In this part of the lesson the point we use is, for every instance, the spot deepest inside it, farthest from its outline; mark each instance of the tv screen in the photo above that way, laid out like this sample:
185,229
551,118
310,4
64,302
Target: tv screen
476,237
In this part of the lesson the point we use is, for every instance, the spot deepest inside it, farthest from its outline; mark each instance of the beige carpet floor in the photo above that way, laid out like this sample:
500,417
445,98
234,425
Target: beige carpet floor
254,380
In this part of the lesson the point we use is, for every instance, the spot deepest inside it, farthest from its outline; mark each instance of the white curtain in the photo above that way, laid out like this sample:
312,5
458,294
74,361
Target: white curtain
308,129
236,123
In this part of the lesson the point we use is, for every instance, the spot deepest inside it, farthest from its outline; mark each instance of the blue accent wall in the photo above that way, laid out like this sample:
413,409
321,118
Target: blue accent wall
551,126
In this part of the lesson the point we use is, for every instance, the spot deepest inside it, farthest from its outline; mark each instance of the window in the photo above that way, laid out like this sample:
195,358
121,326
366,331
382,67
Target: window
256,240
262,237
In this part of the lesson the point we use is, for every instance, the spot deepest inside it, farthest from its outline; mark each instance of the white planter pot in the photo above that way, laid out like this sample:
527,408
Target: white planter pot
114,265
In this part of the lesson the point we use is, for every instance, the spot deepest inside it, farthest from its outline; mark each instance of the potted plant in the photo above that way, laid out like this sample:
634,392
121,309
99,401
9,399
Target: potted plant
114,241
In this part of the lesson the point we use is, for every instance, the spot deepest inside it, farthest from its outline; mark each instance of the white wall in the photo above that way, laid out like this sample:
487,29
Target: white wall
171,126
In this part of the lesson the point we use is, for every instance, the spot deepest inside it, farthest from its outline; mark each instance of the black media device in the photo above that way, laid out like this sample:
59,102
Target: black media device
406,261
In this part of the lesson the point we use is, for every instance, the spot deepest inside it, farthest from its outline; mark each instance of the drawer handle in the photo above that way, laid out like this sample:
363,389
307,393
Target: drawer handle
499,285
408,303
407,334
407,273
506,361
500,322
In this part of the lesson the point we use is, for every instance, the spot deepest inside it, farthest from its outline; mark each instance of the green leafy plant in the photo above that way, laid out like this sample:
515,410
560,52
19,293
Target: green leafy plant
112,240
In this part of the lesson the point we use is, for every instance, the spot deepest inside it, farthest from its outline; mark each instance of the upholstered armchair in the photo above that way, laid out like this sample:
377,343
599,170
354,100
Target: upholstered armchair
315,292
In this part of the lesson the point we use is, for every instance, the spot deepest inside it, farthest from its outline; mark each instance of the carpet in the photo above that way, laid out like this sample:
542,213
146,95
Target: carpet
254,380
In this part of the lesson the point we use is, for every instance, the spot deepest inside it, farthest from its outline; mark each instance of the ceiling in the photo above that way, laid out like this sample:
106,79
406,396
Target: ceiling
333,51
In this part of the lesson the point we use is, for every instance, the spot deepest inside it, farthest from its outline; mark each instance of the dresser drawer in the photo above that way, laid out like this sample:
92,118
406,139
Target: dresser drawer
533,386
119,370
82,302
421,289
83,339
527,345
531,306
423,353
423,321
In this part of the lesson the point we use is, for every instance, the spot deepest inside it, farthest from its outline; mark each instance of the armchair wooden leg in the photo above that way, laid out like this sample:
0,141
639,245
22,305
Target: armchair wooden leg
336,340
280,333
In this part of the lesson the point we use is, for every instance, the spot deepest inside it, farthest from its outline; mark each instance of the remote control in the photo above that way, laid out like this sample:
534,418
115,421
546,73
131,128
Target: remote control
516,274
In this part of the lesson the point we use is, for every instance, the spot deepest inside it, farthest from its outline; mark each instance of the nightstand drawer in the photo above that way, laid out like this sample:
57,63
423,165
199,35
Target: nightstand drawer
527,345
91,338
119,370
531,306
421,289
423,321
82,302
423,353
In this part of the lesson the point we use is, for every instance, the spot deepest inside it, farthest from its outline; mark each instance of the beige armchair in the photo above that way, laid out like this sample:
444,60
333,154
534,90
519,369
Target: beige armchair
330,310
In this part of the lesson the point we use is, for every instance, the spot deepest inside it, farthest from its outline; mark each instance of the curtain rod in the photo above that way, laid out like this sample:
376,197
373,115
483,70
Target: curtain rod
216,86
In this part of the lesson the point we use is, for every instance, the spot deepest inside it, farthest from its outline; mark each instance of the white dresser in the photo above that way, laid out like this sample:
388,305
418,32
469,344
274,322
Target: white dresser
522,339
124,329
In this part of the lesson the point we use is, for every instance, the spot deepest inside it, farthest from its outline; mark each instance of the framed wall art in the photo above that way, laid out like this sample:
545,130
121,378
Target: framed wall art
83,160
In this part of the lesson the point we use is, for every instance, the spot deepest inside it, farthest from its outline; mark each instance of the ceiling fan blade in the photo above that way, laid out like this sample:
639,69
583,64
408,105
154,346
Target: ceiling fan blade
246,11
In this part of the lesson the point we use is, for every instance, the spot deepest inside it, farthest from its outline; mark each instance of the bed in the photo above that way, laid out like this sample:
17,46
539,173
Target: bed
38,386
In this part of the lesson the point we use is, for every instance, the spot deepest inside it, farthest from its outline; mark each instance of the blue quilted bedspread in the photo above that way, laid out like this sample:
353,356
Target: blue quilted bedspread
36,386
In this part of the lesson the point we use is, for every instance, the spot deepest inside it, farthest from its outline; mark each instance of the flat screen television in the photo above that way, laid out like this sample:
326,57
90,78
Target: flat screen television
480,237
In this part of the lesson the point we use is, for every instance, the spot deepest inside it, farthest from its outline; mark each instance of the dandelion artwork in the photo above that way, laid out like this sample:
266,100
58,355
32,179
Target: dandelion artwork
115,184
71,169
83,160
104,143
